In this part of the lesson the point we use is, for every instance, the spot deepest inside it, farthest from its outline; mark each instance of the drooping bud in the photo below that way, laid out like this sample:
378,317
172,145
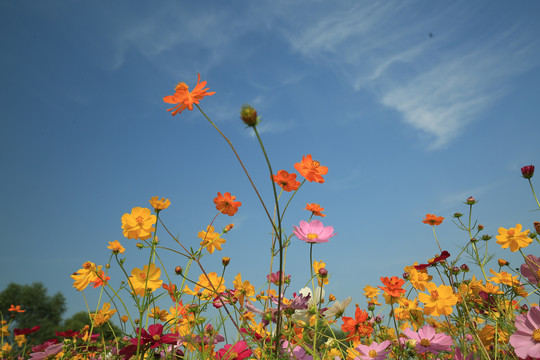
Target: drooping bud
331,297
228,228
527,171
537,227
503,262
249,115
406,275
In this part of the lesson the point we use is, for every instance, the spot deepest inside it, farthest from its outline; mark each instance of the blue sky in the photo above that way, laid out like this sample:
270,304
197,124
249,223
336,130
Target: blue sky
408,123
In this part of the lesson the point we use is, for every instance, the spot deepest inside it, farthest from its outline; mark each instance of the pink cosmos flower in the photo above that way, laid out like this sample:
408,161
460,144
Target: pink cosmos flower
237,351
313,232
374,351
530,268
48,353
526,339
427,340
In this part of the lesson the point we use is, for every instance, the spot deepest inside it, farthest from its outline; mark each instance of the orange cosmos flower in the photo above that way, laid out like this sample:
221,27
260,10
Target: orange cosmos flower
316,209
16,308
433,219
184,99
286,181
226,204
311,169
100,279
393,286
358,326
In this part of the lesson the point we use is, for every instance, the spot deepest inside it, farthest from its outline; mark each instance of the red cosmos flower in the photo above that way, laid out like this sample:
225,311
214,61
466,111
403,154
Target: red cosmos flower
237,351
286,181
393,286
444,255
311,169
433,219
150,339
226,204
358,326
67,333
184,99
26,331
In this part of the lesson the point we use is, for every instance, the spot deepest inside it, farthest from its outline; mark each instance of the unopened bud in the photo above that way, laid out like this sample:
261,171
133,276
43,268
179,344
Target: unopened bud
411,343
371,306
406,275
527,171
480,227
249,115
458,215
473,240
140,246
331,297
537,227
124,318
323,273
503,262
455,270
524,308
228,228
470,201
225,261
464,268
486,237
209,329
178,270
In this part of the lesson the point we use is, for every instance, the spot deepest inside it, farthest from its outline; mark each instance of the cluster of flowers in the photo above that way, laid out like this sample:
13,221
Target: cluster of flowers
459,317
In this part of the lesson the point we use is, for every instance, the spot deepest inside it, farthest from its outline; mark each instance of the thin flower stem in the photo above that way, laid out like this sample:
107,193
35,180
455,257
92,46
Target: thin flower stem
280,240
434,234
532,189
241,164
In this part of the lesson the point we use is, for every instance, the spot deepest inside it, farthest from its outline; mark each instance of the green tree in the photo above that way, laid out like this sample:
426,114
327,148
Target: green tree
41,309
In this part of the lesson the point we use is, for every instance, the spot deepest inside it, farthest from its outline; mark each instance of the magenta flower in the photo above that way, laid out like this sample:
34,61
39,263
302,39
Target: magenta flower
530,268
427,340
237,351
374,351
313,232
275,279
526,339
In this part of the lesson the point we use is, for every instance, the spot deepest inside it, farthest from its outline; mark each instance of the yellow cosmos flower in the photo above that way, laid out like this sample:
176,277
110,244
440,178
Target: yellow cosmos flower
158,314
418,278
371,292
439,300
504,278
4,329
103,315
211,239
243,289
159,205
147,278
83,277
20,339
138,224
116,247
207,285
513,238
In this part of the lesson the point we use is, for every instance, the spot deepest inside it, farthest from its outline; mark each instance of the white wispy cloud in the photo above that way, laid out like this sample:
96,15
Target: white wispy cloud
438,82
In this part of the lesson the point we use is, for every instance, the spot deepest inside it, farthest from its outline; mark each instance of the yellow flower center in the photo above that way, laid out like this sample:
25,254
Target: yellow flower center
156,337
312,236
435,294
87,265
372,354
182,86
142,276
315,164
425,342
536,335
511,232
139,219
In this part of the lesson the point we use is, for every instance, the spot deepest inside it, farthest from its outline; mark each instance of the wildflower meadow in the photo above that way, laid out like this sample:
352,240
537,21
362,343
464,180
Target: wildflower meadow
470,304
